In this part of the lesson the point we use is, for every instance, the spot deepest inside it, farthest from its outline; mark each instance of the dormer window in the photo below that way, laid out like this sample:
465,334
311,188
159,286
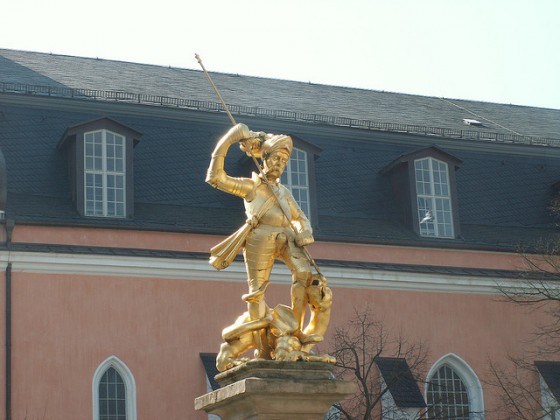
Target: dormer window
100,161
299,176
105,174
425,191
433,196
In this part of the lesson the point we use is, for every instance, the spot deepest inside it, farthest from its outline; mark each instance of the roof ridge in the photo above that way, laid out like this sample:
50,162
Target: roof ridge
162,66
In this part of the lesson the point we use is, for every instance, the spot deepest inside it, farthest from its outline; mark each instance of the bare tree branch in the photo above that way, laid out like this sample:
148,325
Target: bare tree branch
538,287
356,347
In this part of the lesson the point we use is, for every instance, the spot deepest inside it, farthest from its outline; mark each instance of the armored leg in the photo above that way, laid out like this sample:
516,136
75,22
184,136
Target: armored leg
301,278
259,253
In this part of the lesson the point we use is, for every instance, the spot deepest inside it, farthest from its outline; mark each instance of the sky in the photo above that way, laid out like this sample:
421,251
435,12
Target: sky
505,51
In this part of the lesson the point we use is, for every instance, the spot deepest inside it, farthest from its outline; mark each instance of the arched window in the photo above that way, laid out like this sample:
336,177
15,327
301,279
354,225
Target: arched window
447,395
114,391
453,391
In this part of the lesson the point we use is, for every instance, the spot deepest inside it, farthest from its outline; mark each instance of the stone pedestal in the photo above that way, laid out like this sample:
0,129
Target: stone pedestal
259,390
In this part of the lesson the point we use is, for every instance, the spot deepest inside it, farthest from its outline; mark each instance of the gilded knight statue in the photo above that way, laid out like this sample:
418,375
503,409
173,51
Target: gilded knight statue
276,228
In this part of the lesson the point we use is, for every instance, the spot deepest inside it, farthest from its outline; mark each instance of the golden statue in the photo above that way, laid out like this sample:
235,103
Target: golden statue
276,228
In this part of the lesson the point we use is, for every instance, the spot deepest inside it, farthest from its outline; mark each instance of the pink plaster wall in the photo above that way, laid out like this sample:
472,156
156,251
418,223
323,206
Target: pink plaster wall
2,344
65,326
416,255
114,238
321,250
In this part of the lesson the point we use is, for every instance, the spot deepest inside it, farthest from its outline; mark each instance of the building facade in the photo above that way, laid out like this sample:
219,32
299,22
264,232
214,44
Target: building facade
420,208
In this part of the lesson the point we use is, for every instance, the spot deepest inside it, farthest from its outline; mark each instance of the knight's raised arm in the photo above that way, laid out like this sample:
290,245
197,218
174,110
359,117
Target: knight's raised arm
216,175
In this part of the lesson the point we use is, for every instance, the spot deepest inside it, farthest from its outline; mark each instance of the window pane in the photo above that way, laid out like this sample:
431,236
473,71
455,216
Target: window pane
447,396
115,153
425,215
104,159
119,211
433,195
93,150
296,179
121,409
112,396
423,179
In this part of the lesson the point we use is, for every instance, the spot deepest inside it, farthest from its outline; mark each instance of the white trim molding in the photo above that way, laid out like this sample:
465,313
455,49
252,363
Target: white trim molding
199,270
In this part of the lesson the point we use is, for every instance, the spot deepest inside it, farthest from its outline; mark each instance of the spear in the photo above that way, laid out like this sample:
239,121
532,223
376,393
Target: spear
255,161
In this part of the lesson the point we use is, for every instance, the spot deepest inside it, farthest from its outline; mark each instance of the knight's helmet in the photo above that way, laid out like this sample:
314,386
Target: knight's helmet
269,143
274,142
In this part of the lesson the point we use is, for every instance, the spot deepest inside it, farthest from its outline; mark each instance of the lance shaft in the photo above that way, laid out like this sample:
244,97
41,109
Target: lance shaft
215,90
256,162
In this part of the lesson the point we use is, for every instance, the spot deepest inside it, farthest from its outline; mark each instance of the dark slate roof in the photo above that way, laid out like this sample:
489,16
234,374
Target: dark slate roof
400,381
550,372
504,189
29,69
209,363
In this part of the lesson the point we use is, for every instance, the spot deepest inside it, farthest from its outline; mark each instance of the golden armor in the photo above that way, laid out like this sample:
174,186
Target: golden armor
276,228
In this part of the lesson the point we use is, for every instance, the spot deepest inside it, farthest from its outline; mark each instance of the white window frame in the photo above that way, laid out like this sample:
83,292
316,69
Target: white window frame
435,208
292,179
469,379
129,384
105,173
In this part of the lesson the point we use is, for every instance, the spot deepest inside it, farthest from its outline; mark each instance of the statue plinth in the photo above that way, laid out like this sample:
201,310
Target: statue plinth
272,390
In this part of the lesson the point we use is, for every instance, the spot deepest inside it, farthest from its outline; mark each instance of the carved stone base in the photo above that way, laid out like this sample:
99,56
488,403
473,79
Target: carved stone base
272,390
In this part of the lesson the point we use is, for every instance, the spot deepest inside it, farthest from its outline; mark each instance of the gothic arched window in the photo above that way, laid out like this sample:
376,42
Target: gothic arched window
114,391
447,396
453,391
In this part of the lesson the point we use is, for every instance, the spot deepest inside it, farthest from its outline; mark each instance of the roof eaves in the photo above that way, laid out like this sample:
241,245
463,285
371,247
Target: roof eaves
400,382
550,372
209,363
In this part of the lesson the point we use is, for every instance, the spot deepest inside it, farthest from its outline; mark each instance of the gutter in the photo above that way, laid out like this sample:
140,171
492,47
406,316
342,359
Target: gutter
9,226
9,341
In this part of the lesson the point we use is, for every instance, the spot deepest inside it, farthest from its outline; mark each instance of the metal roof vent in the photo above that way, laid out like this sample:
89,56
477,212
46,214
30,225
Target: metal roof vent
470,121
